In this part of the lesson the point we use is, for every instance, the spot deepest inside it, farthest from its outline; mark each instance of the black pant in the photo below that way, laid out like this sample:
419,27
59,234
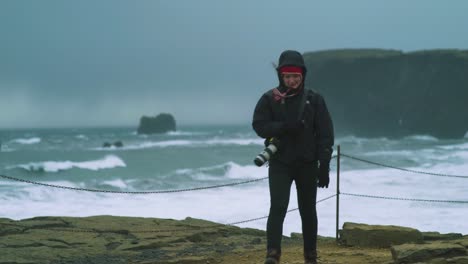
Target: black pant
281,177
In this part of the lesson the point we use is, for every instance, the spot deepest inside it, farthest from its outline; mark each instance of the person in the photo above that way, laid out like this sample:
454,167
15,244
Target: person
299,120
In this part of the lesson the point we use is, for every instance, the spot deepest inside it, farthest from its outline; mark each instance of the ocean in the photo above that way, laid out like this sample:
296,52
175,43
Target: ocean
199,156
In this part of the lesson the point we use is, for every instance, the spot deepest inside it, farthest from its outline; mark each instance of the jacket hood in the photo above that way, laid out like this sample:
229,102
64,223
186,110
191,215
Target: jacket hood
291,58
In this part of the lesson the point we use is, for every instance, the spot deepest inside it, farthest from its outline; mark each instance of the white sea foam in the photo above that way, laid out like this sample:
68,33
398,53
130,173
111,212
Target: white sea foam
423,138
228,170
234,141
108,162
172,133
389,152
236,171
463,146
184,133
362,141
119,183
26,141
81,136
6,148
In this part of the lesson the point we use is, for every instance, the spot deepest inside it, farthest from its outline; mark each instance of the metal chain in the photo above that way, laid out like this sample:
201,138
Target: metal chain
403,199
82,230
403,169
264,217
139,192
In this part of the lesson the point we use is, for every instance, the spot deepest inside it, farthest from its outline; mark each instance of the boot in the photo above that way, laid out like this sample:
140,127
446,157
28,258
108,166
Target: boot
310,257
273,256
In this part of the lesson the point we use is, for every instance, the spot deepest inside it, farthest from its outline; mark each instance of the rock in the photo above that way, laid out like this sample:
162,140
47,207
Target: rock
363,235
112,239
118,144
431,236
399,93
161,123
462,241
296,236
414,253
458,260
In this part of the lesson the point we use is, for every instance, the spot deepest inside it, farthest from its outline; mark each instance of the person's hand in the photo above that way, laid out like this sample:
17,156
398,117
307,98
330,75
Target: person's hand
293,127
324,175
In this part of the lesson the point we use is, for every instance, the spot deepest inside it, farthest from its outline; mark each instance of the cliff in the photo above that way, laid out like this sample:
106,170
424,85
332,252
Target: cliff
375,93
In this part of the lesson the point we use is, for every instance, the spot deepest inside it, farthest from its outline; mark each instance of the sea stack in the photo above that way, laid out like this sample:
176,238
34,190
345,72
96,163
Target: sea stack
161,123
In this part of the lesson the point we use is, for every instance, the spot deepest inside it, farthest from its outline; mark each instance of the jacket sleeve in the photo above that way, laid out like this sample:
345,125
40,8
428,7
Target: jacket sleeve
324,132
263,123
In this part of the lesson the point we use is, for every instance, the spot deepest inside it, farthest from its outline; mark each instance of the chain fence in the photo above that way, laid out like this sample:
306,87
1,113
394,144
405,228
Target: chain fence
403,199
83,230
129,192
402,169
227,185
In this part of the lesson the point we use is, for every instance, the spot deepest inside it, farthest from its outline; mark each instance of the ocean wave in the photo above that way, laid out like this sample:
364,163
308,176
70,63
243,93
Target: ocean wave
404,153
185,143
118,183
462,146
81,136
184,133
5,148
26,141
422,138
360,140
108,162
172,133
235,141
230,170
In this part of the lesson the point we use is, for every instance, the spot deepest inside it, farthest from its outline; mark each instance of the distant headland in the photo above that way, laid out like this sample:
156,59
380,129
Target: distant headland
390,93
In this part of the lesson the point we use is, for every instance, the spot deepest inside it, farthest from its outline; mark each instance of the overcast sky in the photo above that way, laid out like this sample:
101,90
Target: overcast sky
106,63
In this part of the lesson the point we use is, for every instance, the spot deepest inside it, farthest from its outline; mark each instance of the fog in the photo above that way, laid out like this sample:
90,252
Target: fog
106,63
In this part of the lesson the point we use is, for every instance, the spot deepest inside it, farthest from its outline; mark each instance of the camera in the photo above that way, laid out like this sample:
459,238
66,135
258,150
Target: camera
265,155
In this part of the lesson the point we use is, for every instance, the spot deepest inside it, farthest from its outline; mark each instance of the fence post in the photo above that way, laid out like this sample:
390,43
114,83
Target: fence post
337,193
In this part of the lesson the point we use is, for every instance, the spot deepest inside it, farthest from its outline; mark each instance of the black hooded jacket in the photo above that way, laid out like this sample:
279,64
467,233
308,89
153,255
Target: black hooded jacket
316,140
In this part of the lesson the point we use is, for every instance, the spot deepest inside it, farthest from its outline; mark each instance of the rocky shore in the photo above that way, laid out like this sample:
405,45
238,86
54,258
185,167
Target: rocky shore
112,239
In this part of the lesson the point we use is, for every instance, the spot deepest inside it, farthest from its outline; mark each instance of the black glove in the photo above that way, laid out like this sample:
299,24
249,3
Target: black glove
293,127
324,175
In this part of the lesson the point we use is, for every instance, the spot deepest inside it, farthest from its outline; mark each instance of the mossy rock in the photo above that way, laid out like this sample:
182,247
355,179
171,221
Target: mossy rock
380,236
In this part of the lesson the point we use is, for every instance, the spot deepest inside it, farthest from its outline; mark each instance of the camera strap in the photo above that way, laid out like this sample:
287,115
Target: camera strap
304,101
